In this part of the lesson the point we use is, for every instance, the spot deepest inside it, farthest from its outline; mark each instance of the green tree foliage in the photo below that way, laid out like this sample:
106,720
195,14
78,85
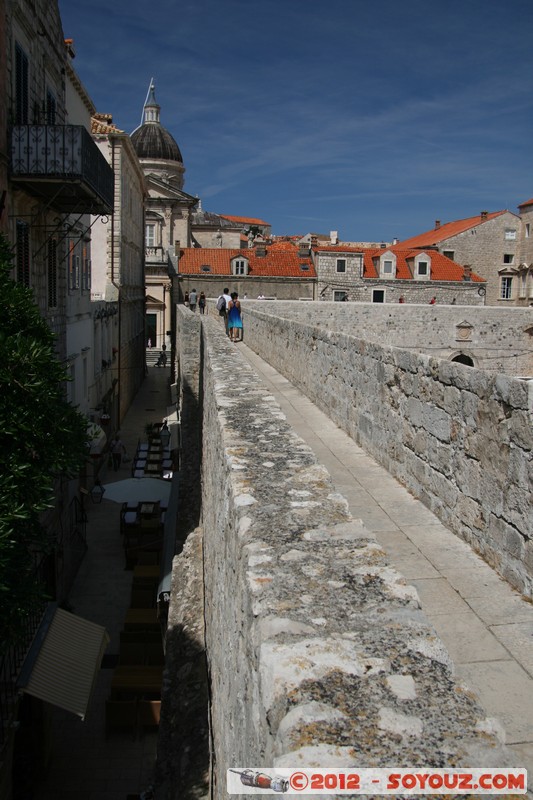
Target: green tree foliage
42,437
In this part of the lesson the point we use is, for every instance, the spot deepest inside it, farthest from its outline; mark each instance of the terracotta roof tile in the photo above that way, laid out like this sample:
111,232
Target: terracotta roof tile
278,262
442,268
527,203
337,248
245,220
447,230
103,123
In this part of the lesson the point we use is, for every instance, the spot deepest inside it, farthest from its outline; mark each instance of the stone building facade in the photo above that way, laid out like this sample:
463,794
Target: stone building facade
489,243
167,211
392,275
525,265
277,271
118,273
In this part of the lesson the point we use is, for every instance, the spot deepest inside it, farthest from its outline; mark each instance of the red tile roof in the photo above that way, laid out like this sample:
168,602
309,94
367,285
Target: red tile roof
278,262
527,203
103,123
442,268
448,229
245,220
337,248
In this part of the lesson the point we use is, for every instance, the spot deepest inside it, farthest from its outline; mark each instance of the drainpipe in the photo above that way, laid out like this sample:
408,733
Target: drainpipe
116,285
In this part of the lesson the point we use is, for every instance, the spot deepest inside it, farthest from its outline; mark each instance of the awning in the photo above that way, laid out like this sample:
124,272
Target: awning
64,659
97,438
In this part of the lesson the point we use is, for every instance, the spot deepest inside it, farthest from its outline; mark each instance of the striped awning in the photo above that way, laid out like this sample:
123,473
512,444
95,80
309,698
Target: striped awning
63,662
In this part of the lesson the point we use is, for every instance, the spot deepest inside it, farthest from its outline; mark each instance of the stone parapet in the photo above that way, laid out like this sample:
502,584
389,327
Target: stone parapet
497,339
318,651
459,438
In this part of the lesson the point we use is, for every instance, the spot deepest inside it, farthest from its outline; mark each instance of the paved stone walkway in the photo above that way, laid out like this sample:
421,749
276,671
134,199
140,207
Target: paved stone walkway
485,624
84,765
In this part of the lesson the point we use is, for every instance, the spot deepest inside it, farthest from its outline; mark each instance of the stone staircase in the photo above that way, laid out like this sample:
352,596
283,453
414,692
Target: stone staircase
152,354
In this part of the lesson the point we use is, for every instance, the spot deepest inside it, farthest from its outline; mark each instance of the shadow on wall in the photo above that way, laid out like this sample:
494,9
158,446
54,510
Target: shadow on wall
183,744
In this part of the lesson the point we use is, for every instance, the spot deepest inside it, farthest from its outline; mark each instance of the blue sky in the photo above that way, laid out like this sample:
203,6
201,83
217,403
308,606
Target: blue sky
370,117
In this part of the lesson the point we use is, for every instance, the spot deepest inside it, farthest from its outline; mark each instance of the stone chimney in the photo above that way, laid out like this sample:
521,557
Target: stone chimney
304,249
395,240
314,240
333,237
437,224
484,215
177,248
467,272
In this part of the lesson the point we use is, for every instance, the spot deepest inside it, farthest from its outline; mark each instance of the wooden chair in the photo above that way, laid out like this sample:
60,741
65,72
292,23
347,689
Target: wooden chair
121,715
149,714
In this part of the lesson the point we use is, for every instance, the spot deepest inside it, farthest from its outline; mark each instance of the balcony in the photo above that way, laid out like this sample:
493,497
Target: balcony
63,166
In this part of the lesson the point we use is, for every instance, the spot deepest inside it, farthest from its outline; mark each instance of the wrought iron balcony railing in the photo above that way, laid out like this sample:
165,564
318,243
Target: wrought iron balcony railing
62,165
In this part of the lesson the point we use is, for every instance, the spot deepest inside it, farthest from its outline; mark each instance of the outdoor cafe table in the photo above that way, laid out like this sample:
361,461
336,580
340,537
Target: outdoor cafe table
132,679
139,618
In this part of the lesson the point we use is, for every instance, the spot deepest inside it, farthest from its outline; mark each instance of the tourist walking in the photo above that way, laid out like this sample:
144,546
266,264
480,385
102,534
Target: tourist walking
193,297
222,306
234,318
201,303
117,451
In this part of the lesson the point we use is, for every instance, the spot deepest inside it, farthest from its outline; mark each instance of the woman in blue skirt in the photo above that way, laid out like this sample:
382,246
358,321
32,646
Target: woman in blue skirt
234,318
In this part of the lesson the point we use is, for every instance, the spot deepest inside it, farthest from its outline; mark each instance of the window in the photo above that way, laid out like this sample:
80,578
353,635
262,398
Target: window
23,253
51,107
378,296
86,271
150,236
73,268
506,288
340,297
510,235
240,266
387,267
423,268
528,230
52,273
341,265
449,254
508,258
21,86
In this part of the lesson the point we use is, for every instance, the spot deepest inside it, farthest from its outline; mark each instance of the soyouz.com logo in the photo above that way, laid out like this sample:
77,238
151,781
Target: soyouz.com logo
414,781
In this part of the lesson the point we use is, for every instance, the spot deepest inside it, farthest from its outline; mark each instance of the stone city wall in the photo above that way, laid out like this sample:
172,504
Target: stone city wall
497,339
459,438
318,652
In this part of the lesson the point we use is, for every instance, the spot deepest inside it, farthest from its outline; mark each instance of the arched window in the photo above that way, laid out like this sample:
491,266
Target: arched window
461,358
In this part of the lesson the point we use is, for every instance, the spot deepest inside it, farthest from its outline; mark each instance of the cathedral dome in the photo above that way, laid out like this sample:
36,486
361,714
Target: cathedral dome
151,140
154,141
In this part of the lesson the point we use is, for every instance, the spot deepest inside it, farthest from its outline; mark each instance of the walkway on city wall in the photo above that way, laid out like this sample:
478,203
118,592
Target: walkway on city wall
486,626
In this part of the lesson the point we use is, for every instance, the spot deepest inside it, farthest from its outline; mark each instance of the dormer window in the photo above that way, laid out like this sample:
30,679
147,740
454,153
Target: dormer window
387,265
422,267
239,266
